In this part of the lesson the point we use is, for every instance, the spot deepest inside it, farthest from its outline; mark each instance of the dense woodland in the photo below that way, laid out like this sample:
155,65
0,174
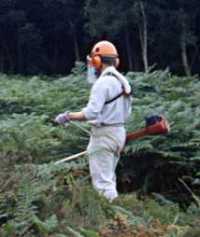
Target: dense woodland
48,36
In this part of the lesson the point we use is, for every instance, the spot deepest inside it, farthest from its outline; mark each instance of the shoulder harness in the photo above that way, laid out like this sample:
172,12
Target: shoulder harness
123,93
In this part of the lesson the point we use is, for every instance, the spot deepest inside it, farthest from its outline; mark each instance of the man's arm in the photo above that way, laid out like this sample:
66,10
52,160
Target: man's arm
94,106
91,111
79,116
97,100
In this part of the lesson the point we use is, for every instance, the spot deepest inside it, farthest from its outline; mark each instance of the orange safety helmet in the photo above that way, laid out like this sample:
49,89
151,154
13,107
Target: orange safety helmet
103,49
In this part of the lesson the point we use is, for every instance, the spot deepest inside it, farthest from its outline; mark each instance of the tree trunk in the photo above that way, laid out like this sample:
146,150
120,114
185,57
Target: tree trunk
185,58
183,46
76,48
75,41
55,52
143,36
194,57
128,51
20,68
9,58
55,56
1,60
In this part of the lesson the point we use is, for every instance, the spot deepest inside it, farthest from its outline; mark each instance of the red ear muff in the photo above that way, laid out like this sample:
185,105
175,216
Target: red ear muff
96,61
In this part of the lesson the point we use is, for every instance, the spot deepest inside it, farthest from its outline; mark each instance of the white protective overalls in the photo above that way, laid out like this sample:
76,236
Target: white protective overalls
108,132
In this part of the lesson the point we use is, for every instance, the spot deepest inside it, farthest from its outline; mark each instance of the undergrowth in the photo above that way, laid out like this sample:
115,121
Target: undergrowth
158,177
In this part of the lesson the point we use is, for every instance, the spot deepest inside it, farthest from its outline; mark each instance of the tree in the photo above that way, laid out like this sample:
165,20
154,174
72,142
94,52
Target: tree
11,20
30,49
106,21
106,18
187,37
66,20
48,36
181,22
140,19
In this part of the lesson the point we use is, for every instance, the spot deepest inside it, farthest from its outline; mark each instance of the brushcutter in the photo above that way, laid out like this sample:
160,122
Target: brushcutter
155,125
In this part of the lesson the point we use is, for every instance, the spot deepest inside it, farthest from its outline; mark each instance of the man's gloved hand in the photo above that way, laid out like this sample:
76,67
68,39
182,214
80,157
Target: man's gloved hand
62,118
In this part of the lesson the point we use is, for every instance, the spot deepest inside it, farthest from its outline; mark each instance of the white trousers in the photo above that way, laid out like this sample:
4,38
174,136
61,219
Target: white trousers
104,149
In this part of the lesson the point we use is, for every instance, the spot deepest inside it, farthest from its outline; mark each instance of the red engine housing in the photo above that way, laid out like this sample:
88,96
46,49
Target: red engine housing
160,127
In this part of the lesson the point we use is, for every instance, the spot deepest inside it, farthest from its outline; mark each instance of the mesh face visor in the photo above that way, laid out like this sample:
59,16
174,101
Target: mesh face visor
89,60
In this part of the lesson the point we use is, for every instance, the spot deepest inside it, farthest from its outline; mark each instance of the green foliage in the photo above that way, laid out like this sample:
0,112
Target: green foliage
39,198
174,155
32,134
46,227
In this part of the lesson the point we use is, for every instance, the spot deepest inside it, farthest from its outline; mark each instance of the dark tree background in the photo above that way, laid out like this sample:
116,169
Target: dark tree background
48,36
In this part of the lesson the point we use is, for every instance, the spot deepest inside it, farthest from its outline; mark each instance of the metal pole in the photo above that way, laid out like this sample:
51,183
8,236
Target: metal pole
71,157
80,127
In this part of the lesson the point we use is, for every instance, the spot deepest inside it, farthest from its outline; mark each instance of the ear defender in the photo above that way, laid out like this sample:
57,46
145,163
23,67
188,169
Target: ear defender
96,61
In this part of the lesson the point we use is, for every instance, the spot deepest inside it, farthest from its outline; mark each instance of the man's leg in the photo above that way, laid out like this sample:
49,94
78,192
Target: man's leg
104,151
116,160
102,169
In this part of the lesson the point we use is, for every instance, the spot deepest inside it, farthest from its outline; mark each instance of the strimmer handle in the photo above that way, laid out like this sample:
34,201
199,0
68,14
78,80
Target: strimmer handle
136,135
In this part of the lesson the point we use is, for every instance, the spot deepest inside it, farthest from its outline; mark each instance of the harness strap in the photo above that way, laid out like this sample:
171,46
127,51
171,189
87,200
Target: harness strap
119,95
113,99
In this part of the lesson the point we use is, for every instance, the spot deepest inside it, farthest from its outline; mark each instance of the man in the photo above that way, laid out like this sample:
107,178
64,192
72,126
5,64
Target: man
108,108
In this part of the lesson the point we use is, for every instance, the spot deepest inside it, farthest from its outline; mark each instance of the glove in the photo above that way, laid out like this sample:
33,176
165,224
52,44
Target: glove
62,118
